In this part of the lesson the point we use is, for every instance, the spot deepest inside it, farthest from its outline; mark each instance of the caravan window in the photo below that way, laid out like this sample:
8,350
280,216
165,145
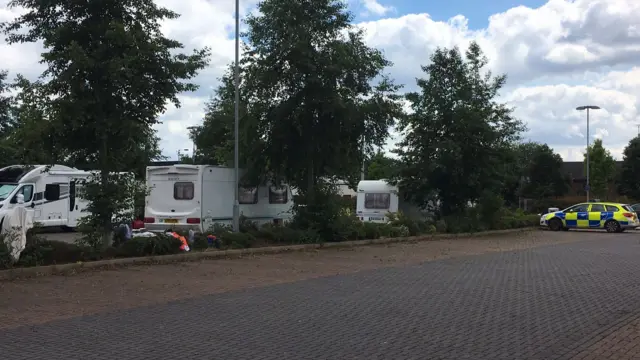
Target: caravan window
377,200
247,195
183,191
278,195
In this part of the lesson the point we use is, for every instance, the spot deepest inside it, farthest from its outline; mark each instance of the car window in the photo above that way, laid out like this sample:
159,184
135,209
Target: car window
612,208
578,208
628,208
597,208
635,207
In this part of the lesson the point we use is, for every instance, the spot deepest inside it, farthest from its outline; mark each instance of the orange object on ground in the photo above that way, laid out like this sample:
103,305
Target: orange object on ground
185,244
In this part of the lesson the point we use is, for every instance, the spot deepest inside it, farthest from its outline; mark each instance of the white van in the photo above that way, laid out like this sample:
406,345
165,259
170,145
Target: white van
195,197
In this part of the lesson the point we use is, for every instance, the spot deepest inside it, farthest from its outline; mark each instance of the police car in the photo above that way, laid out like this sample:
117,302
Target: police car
613,217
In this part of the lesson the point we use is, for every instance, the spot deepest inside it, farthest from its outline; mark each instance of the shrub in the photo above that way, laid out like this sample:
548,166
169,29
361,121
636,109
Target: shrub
150,246
415,227
277,234
200,242
49,252
237,240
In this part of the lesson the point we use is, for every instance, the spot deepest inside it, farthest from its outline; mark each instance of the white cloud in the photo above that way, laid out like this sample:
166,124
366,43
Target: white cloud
375,8
561,55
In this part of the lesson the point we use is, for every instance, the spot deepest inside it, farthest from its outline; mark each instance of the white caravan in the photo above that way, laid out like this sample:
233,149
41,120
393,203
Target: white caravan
51,194
377,198
198,196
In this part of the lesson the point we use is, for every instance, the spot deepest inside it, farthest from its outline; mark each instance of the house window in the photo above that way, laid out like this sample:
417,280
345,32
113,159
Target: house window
278,195
377,200
247,195
183,190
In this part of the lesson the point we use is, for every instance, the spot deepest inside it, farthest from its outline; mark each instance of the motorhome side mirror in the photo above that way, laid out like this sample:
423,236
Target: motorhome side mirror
52,192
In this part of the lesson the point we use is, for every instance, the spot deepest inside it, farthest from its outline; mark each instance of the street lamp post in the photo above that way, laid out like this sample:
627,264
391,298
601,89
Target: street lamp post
580,108
193,143
236,157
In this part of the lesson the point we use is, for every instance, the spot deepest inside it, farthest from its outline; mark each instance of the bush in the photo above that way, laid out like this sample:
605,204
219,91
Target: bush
237,240
200,242
277,234
150,246
415,227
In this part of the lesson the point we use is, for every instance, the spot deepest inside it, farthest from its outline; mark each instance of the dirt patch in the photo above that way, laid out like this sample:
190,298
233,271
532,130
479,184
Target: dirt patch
39,300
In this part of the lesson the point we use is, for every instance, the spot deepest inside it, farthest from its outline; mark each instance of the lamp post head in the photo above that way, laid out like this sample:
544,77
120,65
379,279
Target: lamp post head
585,107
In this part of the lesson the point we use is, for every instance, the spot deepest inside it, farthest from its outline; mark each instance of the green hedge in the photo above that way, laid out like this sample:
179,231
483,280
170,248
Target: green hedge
39,252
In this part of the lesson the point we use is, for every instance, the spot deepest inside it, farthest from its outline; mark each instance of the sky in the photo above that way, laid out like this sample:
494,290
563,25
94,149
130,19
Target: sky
557,54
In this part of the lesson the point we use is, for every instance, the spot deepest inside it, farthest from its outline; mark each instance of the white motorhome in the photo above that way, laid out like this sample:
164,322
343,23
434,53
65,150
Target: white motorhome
49,190
377,198
198,196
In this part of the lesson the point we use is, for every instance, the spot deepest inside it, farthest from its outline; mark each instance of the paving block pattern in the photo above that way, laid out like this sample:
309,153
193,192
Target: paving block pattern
552,302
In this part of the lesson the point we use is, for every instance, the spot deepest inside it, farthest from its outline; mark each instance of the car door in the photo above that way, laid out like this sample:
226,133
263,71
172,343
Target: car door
596,218
577,216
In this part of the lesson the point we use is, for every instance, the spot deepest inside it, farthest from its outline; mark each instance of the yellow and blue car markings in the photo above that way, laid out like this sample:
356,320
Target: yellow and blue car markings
585,219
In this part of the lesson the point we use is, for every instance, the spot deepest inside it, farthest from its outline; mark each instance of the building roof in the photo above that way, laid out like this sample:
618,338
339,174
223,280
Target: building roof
576,170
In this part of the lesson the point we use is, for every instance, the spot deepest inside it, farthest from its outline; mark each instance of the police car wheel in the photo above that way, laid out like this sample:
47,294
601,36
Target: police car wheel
565,229
555,224
612,226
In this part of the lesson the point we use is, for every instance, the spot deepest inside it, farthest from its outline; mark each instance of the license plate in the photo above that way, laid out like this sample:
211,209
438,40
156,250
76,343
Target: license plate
376,219
170,221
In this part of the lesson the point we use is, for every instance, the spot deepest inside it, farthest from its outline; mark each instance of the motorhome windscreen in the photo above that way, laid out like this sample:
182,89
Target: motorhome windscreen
377,200
5,190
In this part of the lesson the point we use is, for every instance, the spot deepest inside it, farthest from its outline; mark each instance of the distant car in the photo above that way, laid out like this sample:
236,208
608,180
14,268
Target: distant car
612,217
636,208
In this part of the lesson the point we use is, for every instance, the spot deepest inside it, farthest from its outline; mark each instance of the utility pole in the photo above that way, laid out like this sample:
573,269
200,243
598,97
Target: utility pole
236,157
580,108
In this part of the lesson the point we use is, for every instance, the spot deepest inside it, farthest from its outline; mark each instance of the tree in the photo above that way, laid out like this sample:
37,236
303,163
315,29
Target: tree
602,169
6,105
214,140
111,73
312,96
628,183
381,166
542,172
310,90
457,141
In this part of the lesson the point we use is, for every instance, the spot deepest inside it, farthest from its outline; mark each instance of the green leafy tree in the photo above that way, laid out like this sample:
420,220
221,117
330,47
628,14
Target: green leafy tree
214,139
457,141
6,105
602,169
542,172
311,95
111,73
381,166
628,181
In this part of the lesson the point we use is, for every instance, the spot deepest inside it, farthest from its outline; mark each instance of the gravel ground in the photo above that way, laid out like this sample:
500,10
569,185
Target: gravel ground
40,300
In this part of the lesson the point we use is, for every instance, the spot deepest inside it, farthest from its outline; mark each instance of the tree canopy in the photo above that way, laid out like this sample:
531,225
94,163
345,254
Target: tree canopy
457,140
109,74
602,169
316,94
628,183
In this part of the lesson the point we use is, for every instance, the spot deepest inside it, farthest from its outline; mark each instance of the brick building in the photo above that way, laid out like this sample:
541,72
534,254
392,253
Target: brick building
576,173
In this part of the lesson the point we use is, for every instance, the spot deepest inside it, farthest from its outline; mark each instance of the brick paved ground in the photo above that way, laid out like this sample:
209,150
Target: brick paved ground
550,302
